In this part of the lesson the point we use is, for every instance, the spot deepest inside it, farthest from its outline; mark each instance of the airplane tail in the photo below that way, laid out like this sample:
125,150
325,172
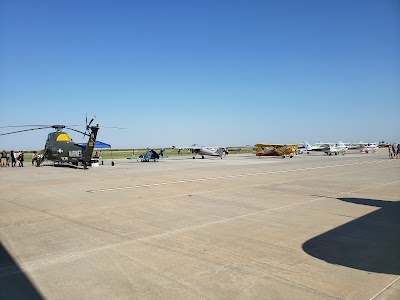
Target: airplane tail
220,152
161,154
343,146
307,146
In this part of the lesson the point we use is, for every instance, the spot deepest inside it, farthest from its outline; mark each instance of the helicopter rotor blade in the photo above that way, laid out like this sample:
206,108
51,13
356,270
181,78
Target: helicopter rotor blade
94,117
84,133
113,127
19,126
26,130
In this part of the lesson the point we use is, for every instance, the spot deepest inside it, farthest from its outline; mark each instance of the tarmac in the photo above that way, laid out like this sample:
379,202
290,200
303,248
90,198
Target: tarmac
242,227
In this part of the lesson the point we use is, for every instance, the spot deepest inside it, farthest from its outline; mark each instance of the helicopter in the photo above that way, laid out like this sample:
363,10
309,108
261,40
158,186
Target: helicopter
60,148
151,154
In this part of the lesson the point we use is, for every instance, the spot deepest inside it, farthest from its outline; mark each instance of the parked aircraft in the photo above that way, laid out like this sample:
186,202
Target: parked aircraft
151,155
328,148
305,148
209,151
276,150
364,147
201,150
59,146
336,148
369,147
320,146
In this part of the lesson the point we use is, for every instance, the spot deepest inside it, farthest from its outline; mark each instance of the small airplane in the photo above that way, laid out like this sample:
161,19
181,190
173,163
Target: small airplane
320,146
201,150
209,151
364,147
283,150
328,148
305,148
151,155
336,148
369,147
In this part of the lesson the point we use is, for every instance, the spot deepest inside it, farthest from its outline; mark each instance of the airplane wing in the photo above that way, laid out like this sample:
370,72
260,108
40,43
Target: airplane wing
276,145
269,145
325,144
194,147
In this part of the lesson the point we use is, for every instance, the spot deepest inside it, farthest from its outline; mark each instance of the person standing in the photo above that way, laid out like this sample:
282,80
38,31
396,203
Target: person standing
22,159
394,150
13,161
390,151
34,158
4,158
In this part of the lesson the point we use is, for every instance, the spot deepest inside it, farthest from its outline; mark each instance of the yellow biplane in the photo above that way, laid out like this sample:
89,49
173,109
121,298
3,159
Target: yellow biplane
283,150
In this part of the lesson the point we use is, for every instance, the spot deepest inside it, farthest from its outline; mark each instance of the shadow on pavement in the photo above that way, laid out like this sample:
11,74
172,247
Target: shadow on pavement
13,282
370,243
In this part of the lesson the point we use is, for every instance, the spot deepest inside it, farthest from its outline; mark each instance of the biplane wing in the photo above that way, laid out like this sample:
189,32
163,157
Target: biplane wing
276,145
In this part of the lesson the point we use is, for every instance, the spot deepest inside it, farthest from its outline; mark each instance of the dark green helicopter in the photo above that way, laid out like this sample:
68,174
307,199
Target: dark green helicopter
60,148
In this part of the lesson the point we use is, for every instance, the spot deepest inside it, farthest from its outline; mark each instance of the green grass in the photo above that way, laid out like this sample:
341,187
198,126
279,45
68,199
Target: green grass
123,153
127,153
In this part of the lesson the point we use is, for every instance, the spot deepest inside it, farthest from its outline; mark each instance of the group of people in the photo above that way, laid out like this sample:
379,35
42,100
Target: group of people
394,151
17,159
98,155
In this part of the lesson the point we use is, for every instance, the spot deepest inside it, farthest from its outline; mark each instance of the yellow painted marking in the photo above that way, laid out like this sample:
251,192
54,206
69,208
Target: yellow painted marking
63,137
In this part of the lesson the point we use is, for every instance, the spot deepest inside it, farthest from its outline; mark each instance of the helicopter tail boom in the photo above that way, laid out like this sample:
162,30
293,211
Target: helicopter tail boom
87,154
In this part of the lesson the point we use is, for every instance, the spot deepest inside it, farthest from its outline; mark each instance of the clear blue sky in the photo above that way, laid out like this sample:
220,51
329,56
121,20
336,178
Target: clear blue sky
207,72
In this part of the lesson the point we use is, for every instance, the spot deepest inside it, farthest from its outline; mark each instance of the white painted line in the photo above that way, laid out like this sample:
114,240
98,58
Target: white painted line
239,175
384,289
31,265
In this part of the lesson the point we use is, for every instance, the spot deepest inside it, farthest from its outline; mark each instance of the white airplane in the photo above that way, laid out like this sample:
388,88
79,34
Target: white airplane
369,147
328,148
209,151
307,148
338,148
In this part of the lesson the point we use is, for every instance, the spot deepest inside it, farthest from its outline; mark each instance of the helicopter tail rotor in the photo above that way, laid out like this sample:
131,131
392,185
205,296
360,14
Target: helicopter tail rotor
94,117
88,125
